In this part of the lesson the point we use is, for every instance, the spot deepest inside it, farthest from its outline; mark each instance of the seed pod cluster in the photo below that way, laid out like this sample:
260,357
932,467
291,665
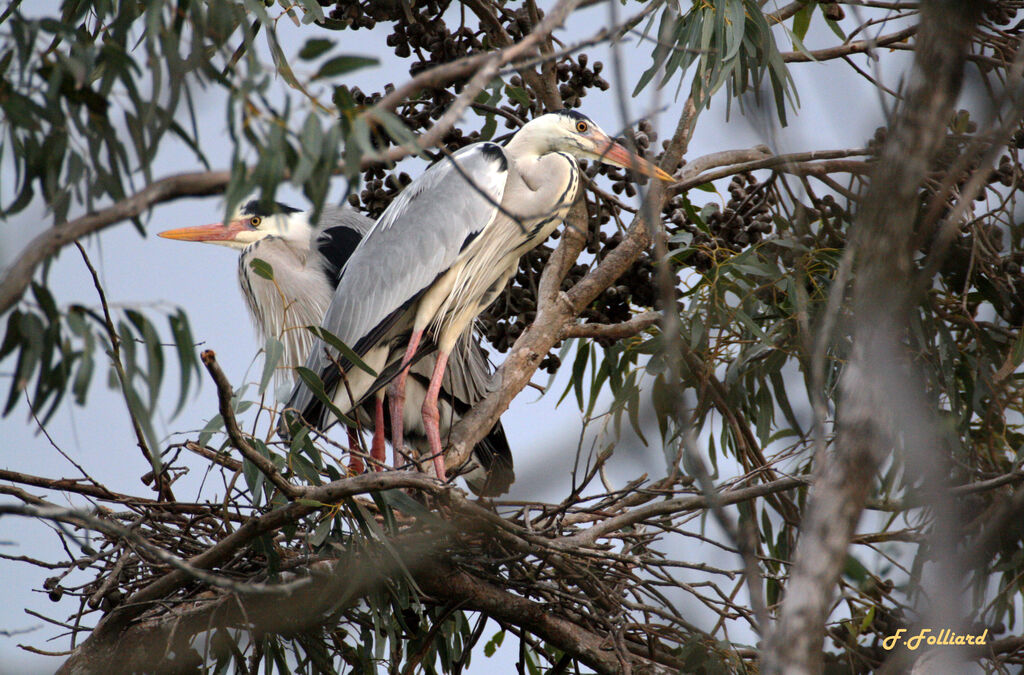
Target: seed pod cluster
745,220
575,78
999,13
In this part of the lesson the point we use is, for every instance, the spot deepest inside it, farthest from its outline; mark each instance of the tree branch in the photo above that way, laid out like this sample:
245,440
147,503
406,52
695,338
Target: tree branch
613,331
856,47
17,277
238,440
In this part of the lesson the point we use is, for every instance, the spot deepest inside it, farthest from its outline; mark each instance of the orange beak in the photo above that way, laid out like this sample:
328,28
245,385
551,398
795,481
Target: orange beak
617,155
214,232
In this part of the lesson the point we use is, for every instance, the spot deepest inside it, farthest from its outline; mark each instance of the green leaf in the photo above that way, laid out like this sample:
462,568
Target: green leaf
579,367
304,469
31,330
144,419
802,21
187,362
273,350
836,29
409,506
489,127
314,12
734,29
855,570
154,355
215,424
322,531
83,377
339,65
280,60
492,645
869,618
395,128
342,348
671,25
519,95
316,385
253,479
262,268
46,302
1017,352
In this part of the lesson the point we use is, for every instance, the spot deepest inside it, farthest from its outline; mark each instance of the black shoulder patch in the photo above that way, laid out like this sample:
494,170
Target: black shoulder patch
255,207
336,244
572,114
468,240
495,153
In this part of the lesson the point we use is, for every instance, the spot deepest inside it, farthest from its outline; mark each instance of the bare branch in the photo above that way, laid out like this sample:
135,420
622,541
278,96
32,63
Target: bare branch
615,331
17,277
856,47
227,413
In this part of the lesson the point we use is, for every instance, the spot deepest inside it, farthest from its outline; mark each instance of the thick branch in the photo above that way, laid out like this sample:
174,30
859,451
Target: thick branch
731,162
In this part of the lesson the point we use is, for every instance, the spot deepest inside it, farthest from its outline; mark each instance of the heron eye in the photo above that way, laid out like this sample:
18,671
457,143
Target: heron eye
255,222
581,127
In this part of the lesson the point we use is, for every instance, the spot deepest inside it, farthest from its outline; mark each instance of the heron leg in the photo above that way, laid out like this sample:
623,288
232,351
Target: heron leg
431,417
396,396
355,462
377,449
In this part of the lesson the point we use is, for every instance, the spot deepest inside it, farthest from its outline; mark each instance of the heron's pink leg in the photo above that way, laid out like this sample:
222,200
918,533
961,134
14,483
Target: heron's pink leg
396,394
377,449
431,418
355,462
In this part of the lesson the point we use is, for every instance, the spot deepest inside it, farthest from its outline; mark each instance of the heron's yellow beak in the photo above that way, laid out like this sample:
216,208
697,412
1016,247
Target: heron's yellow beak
217,232
611,152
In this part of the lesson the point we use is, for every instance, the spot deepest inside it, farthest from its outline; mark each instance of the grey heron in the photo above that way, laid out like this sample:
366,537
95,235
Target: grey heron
451,240
307,263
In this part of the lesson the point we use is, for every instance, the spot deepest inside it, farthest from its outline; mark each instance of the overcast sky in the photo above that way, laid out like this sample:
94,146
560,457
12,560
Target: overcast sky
837,110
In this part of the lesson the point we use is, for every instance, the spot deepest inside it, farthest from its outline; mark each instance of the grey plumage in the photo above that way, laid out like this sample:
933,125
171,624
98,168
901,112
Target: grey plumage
395,263
451,240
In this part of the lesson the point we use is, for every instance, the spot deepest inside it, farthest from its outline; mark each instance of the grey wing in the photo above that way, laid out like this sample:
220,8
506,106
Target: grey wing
417,238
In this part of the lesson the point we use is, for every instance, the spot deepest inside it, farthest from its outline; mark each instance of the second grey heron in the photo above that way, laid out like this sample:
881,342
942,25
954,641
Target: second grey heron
307,262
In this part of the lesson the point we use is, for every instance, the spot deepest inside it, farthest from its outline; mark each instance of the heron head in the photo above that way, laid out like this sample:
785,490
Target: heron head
251,222
575,133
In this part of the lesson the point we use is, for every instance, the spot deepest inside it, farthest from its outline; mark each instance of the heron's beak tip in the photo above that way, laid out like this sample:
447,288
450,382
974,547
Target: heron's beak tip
617,154
664,175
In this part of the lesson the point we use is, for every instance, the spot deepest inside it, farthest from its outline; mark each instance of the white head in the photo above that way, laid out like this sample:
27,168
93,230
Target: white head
576,134
251,222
